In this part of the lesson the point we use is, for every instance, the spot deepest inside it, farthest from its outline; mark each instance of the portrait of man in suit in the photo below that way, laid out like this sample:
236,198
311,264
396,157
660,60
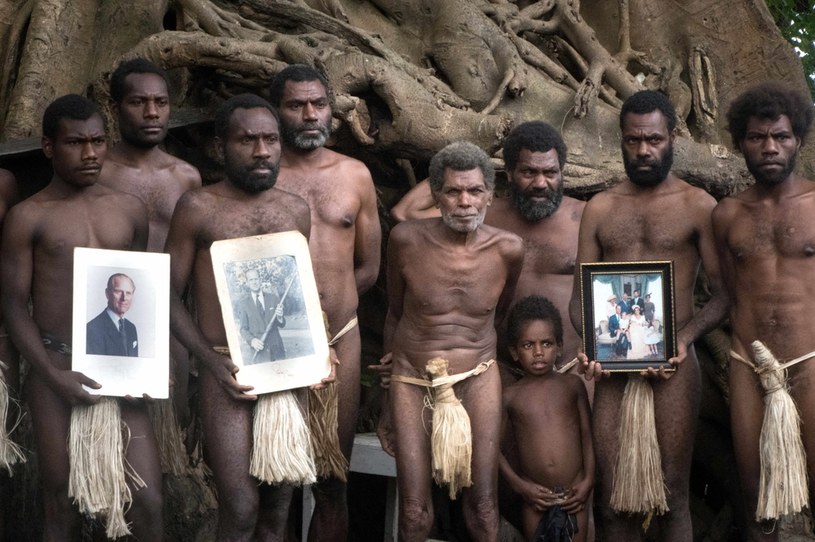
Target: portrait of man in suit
260,315
110,333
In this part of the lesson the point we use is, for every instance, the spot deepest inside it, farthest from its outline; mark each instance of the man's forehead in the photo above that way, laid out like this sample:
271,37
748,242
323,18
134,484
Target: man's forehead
145,84
757,123
255,120
122,283
92,126
528,156
463,179
304,90
652,122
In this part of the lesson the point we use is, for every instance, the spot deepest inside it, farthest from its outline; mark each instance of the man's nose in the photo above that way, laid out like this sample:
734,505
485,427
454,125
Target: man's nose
150,109
309,112
770,146
88,151
643,149
262,148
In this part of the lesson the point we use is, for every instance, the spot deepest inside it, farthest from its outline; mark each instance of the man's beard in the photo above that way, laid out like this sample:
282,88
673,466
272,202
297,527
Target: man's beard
464,227
248,180
532,210
771,178
294,136
658,173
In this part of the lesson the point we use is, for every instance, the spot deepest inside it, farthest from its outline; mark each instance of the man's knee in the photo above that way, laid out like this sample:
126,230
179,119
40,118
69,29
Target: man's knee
415,517
238,513
481,513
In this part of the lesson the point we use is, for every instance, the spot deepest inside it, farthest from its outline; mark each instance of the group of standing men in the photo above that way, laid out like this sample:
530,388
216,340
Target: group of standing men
280,176
138,197
754,245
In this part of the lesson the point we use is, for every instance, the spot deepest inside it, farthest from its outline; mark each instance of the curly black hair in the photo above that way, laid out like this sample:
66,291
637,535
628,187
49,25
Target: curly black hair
535,136
298,73
135,65
70,106
533,307
647,101
242,101
769,100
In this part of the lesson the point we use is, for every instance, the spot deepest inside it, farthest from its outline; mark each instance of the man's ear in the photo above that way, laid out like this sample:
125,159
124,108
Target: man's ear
219,148
47,147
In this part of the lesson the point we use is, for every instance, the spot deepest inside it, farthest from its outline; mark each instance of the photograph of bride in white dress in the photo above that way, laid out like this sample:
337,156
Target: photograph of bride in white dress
628,316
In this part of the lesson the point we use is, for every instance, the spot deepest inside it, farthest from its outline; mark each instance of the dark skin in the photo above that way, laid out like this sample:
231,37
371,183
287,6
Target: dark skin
553,437
345,248
40,234
766,243
9,368
448,309
681,231
247,510
137,165
550,244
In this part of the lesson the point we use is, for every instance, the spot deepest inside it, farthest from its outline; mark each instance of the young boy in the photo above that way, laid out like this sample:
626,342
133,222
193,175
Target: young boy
548,414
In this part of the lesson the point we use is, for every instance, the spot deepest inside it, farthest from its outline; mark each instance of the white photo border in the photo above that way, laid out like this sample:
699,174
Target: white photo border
288,373
120,375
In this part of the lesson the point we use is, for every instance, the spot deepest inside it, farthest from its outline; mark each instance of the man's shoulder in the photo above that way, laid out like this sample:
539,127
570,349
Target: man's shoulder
98,319
500,234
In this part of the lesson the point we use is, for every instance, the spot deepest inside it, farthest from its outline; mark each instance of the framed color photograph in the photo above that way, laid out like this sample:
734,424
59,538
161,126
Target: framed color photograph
121,321
628,314
271,310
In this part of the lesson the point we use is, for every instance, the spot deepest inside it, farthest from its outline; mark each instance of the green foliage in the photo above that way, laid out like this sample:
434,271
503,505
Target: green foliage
796,20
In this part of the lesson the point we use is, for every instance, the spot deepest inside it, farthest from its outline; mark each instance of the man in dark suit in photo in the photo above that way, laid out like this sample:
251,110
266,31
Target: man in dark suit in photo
637,300
625,304
110,333
260,316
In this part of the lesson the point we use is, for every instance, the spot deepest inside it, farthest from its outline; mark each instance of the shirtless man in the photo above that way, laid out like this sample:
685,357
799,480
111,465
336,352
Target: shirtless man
547,221
344,246
137,165
244,204
766,242
537,211
681,232
449,280
39,236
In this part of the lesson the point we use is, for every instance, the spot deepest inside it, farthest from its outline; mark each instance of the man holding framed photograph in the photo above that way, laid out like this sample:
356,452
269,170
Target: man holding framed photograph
681,232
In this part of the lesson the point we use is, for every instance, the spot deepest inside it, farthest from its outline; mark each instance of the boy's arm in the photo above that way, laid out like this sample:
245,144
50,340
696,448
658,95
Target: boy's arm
582,489
16,275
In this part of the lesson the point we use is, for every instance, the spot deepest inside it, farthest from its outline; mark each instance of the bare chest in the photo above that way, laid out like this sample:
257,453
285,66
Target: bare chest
333,204
65,227
644,235
442,282
233,221
788,235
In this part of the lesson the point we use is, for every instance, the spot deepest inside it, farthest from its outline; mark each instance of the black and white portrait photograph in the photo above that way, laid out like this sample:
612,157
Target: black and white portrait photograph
271,310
